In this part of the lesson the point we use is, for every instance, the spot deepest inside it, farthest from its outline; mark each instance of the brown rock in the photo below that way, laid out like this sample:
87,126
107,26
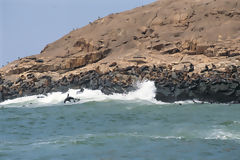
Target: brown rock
189,52
222,52
201,48
170,50
166,33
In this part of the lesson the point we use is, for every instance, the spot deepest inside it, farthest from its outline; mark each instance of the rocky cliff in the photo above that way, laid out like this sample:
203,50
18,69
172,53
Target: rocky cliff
189,48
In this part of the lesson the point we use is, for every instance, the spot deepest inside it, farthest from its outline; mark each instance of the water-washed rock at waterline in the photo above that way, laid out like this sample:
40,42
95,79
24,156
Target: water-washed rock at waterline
190,49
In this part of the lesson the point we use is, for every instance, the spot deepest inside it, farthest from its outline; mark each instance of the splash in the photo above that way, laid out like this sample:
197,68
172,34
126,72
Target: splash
145,92
223,135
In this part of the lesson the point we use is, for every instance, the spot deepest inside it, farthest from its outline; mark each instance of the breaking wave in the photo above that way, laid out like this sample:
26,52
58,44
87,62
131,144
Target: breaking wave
145,92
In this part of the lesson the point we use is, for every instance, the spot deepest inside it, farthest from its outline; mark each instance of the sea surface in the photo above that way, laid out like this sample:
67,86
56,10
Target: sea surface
118,127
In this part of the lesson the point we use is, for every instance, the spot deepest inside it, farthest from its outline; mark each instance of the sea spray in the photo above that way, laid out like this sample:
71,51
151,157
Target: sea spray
145,92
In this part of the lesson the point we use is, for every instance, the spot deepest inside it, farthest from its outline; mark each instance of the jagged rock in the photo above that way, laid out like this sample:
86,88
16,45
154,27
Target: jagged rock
168,42
30,76
83,45
222,52
73,63
18,80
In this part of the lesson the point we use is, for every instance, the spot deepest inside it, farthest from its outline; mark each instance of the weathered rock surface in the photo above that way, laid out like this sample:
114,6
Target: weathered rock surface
190,49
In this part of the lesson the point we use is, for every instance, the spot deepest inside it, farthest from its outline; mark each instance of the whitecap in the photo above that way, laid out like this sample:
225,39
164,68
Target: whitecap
223,135
145,93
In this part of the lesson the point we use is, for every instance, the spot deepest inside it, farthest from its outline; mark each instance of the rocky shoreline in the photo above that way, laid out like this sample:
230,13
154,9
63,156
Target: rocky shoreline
189,49
211,85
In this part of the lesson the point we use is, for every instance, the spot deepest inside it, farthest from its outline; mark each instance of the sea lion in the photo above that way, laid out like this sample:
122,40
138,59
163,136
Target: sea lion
80,91
70,99
40,96
191,69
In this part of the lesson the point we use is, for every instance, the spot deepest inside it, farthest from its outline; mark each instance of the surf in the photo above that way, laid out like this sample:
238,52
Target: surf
145,92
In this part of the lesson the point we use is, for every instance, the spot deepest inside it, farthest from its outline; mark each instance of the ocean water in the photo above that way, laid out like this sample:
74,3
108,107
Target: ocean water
118,127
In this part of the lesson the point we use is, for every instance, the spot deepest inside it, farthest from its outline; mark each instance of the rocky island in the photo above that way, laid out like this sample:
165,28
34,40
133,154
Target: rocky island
190,49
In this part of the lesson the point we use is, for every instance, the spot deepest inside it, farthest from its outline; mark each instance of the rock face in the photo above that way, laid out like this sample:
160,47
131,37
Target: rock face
190,49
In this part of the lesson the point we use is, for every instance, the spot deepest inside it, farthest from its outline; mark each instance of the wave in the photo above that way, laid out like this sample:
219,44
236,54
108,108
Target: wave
92,138
223,135
145,92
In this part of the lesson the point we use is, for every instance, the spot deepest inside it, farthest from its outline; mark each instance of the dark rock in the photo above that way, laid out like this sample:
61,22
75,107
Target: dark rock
1,97
138,61
30,76
115,88
39,60
113,64
222,91
171,50
75,80
8,83
233,68
40,90
93,84
47,77
107,90
118,89
106,83
18,80
47,89
84,81
80,90
24,86
128,68
158,47
211,85
164,94
1,81
193,87
182,94
144,68
174,75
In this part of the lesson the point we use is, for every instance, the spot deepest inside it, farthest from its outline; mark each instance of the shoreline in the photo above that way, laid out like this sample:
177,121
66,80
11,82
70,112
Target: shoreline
190,50
211,85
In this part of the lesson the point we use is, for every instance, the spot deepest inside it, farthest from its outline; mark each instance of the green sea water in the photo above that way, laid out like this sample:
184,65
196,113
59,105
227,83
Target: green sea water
119,129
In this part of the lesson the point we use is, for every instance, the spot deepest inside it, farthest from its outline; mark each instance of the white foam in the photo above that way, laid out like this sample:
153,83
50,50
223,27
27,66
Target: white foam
223,135
145,92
